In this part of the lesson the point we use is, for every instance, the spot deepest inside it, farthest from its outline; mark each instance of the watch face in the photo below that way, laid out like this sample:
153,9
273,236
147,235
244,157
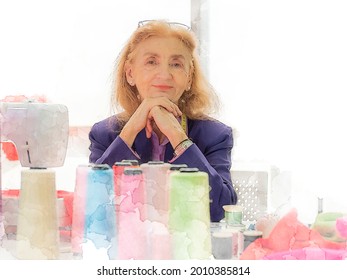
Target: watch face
186,144
183,146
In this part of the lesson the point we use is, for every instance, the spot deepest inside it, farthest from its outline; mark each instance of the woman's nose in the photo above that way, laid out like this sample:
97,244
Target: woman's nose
164,71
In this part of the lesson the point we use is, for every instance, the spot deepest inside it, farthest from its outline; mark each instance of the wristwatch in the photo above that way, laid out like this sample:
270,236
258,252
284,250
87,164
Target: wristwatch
181,147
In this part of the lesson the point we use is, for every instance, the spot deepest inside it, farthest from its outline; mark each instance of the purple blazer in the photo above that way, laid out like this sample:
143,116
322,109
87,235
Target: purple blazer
211,153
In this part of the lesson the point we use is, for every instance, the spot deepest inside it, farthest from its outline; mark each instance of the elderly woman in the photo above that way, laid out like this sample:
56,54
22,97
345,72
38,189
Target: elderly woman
166,102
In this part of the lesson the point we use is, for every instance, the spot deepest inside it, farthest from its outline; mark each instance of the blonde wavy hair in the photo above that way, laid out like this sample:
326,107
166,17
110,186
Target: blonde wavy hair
197,103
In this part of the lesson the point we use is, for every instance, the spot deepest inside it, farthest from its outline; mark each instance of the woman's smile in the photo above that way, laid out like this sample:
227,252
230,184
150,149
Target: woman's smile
163,87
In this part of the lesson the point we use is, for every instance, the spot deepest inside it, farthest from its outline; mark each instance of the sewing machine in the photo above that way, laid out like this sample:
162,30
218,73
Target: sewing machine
40,133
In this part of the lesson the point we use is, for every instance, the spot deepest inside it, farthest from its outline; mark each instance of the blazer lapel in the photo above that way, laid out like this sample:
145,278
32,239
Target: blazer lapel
143,146
168,152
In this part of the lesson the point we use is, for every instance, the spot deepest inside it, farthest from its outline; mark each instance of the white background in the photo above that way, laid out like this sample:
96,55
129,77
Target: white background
281,68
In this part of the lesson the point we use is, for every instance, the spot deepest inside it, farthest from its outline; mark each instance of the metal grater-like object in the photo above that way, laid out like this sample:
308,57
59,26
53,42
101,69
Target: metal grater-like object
252,191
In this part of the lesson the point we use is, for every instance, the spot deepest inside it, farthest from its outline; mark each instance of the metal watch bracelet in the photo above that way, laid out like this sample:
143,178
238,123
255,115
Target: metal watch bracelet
181,147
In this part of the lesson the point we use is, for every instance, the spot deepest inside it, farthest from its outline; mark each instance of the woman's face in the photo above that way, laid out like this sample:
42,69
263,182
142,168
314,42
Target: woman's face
161,67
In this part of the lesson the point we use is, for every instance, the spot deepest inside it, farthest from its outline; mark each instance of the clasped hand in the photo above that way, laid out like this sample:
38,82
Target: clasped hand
155,113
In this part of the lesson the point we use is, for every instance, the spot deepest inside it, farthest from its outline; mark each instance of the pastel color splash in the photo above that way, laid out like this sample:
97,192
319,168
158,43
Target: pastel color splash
290,239
341,226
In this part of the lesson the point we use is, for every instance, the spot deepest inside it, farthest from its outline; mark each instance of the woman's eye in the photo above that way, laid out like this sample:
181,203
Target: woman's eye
176,65
151,62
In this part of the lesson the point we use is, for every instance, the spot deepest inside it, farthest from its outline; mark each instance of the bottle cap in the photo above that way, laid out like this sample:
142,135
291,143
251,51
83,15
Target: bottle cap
189,170
132,162
154,162
132,171
122,163
178,166
100,166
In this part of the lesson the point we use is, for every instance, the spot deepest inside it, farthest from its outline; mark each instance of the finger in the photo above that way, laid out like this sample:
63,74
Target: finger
165,103
173,108
179,112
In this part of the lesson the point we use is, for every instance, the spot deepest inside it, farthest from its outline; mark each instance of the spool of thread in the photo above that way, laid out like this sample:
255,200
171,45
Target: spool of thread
157,200
250,236
157,195
189,215
132,227
37,228
222,243
233,215
100,216
79,204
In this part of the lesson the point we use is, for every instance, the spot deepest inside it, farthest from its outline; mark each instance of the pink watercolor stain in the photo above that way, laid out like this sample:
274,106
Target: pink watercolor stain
290,239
